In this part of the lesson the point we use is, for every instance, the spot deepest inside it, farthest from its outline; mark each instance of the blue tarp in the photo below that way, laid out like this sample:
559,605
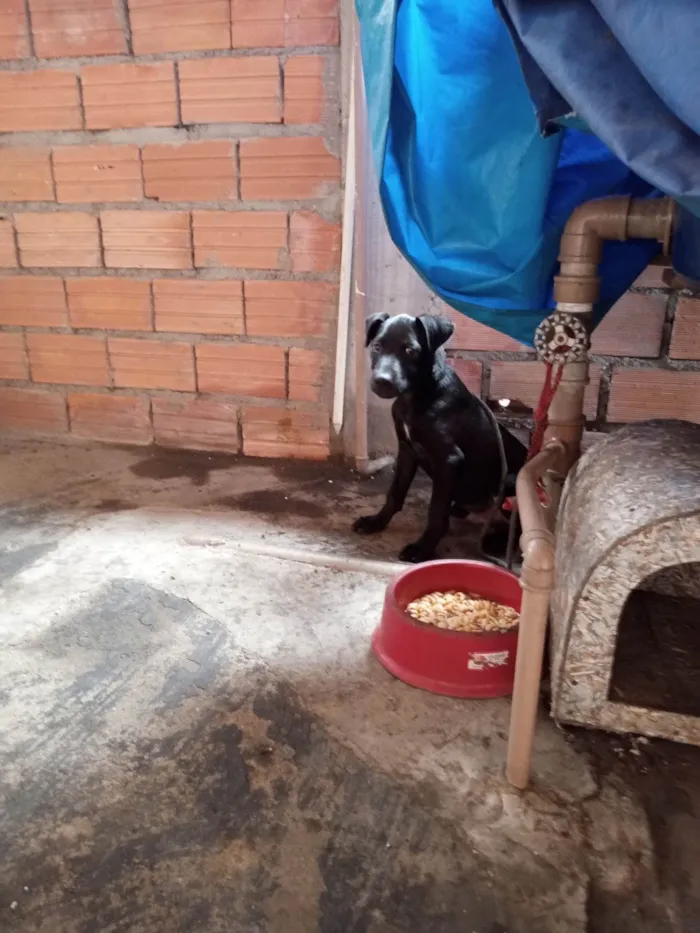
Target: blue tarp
475,196
631,70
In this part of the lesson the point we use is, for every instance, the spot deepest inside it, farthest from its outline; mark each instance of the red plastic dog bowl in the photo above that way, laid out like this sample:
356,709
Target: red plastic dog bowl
455,664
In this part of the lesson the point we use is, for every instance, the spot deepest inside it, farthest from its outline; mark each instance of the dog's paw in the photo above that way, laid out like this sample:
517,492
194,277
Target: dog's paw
370,524
416,553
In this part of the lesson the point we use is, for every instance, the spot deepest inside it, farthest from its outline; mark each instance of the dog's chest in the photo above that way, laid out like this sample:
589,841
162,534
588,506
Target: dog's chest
415,444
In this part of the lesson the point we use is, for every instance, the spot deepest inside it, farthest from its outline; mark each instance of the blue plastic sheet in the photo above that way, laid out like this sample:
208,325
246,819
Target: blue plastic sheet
629,70
474,195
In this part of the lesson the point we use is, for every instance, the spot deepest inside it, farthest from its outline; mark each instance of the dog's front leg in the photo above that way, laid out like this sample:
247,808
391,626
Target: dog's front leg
444,476
404,473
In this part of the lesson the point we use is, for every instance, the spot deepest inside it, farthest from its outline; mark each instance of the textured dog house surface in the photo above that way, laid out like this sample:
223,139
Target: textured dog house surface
629,526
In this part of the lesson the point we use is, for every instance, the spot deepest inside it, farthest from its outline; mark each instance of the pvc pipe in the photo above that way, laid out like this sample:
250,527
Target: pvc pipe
346,257
566,418
576,289
361,445
536,579
379,568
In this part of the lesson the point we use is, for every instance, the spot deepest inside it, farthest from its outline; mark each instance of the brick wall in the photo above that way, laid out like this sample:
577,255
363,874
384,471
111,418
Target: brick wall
169,221
646,360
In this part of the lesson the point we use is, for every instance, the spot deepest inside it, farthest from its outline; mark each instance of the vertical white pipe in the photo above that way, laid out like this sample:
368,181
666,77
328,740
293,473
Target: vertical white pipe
361,440
344,295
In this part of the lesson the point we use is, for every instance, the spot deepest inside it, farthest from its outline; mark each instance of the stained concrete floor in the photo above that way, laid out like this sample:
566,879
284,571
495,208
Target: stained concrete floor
194,735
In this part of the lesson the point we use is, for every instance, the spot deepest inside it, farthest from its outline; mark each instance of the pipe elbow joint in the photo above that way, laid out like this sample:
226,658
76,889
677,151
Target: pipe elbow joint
604,219
538,559
615,218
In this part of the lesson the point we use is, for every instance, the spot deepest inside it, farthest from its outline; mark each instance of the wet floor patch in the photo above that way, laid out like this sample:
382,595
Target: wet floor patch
274,502
114,505
175,464
158,786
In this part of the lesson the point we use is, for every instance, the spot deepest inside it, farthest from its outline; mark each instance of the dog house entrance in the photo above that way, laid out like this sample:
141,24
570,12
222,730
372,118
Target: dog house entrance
657,656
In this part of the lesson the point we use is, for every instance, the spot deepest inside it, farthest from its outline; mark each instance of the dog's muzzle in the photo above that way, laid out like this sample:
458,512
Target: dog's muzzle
384,388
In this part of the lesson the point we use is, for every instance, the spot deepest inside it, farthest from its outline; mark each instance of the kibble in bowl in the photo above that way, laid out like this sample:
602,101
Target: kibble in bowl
462,612
469,653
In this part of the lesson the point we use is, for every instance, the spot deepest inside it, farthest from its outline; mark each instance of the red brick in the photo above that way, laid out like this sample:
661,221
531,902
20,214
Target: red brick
199,171
287,167
25,175
32,301
162,26
257,23
32,411
146,239
270,23
632,327
13,357
314,243
70,359
522,384
284,432
307,373
469,371
240,239
8,254
685,340
241,369
109,303
39,100
290,309
124,419
97,173
196,424
470,335
147,364
303,89
638,394
312,22
70,28
652,277
14,40
58,240
230,90
198,307
129,95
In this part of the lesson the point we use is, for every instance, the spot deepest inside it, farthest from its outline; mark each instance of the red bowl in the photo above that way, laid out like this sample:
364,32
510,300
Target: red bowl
455,664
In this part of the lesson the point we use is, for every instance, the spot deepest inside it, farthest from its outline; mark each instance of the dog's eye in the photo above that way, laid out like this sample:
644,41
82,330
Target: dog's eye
410,352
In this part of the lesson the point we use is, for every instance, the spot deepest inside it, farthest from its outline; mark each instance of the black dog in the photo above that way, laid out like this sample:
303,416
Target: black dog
440,427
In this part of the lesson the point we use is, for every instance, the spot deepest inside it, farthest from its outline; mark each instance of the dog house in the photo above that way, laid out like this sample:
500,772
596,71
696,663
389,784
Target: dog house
625,610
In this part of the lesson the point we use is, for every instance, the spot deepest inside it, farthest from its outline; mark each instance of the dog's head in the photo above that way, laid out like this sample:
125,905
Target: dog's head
403,350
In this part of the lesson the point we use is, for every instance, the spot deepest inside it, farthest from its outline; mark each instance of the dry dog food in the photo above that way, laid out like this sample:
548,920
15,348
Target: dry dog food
462,612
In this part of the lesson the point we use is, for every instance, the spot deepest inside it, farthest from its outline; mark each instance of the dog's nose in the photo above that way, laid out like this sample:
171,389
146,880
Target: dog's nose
383,387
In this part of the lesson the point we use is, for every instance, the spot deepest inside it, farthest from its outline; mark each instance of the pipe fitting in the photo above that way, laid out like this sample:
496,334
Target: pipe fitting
616,218
652,220
538,560
537,539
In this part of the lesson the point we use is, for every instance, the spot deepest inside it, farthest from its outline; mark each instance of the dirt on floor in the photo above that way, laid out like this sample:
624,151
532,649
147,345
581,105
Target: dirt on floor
195,736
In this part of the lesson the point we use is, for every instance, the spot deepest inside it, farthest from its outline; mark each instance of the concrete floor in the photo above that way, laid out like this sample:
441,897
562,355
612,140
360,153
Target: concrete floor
194,735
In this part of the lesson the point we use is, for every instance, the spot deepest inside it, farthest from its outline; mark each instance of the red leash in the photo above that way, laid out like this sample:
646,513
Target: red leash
541,415
541,419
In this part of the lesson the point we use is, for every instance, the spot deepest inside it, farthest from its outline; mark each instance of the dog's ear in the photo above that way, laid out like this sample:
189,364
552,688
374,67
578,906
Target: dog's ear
372,325
434,330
